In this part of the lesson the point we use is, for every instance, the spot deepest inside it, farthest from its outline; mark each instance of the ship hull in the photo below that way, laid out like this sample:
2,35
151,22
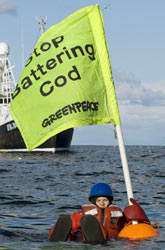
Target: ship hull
11,139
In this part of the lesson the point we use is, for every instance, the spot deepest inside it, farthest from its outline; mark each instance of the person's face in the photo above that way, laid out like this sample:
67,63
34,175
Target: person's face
102,202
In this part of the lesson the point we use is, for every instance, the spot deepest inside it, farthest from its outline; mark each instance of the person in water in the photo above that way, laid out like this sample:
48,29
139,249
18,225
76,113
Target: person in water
96,222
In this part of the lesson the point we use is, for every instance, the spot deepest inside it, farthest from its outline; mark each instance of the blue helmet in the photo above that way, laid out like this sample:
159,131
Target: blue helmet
101,189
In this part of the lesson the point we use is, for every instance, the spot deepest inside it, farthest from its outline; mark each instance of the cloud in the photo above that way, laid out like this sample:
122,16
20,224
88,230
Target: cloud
6,6
131,91
141,104
142,116
141,107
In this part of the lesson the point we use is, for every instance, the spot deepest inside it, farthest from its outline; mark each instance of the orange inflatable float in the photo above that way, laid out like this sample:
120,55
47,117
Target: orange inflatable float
139,226
138,231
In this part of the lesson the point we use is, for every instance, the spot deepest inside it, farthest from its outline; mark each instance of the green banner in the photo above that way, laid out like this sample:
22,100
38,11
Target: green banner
67,80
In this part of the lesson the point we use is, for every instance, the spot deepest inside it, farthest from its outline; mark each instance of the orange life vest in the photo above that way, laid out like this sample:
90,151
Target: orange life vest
111,217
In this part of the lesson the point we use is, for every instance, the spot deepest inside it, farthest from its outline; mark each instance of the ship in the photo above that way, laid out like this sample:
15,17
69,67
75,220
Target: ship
10,136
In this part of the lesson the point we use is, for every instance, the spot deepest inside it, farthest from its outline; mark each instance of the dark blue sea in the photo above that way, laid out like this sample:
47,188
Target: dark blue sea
35,188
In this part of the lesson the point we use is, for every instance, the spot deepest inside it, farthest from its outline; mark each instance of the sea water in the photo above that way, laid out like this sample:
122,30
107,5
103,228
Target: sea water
35,188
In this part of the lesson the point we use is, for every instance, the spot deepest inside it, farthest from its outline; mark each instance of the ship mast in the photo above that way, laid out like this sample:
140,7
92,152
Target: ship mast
7,80
42,23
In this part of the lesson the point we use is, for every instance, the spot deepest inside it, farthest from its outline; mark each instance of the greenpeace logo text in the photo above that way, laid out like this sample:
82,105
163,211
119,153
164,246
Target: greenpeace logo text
69,109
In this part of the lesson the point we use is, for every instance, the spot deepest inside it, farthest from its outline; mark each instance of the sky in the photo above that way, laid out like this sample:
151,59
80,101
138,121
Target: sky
135,36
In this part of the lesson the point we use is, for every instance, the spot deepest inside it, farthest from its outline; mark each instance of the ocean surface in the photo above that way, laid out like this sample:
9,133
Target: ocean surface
35,188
